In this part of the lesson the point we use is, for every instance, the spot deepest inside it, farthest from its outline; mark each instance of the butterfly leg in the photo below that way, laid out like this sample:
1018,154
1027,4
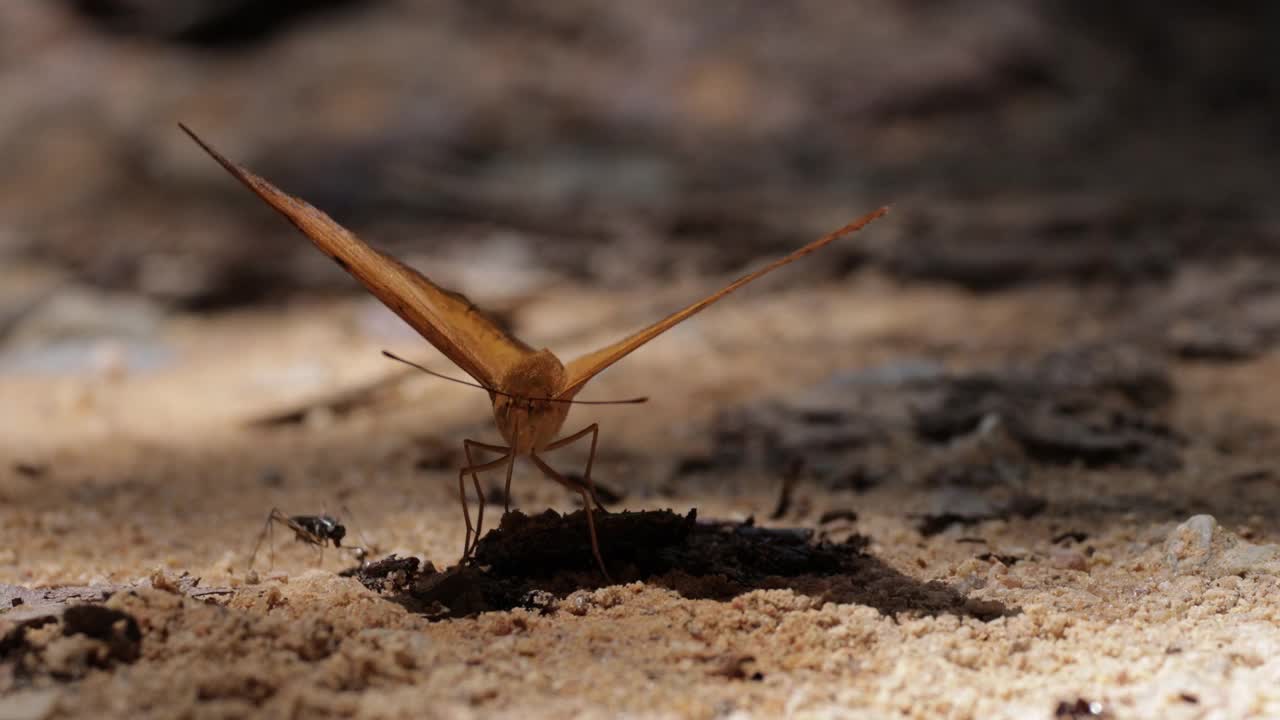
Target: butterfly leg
594,429
475,480
586,501
506,497
466,512
473,470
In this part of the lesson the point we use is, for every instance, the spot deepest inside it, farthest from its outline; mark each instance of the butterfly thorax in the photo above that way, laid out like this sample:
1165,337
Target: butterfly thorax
527,416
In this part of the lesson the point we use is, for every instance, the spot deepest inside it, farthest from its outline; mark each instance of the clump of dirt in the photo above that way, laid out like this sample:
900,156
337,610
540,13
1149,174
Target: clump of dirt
531,562
389,574
67,646
550,543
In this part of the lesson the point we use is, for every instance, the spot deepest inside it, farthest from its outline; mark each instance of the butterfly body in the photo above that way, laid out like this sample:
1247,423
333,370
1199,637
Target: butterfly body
528,414
531,390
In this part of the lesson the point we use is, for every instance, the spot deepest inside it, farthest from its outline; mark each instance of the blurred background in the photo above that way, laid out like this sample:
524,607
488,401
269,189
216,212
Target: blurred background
1062,339
611,143
1074,304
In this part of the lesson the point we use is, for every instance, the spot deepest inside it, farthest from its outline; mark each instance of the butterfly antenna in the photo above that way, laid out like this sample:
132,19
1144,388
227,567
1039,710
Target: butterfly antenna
442,376
628,401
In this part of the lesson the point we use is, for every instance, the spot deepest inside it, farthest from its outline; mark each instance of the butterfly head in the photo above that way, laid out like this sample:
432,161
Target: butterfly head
526,415
531,403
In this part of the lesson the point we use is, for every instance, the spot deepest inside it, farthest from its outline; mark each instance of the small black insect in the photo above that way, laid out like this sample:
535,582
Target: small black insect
316,530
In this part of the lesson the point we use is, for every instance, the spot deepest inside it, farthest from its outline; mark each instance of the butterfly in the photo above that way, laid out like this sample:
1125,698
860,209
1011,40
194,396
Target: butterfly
531,390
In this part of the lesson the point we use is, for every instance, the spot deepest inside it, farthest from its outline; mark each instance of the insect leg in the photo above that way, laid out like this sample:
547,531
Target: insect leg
466,512
506,498
470,443
475,479
361,552
586,500
511,466
268,531
594,429
473,469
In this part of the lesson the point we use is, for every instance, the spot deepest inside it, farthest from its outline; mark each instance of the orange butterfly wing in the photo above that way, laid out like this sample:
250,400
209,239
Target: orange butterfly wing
448,320
582,369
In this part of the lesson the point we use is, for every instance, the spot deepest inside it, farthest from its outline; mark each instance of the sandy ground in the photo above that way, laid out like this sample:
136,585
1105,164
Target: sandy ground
139,482
1049,495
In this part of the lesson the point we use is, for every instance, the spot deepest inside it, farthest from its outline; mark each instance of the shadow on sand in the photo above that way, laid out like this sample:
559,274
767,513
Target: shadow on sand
532,561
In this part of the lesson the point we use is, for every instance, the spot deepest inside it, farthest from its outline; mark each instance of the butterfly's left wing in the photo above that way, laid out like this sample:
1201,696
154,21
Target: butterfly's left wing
448,320
582,369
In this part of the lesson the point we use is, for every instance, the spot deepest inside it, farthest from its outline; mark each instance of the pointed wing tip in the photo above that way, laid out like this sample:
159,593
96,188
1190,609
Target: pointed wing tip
196,138
239,172
875,214
860,223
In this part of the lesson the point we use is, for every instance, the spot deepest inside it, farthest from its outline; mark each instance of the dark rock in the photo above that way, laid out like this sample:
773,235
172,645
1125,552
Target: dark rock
118,630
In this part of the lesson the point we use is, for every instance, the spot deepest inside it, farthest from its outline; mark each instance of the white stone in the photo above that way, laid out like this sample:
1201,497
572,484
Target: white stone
1200,546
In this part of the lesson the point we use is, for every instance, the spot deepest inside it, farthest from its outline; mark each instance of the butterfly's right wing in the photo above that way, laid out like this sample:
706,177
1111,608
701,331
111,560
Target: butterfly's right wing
582,369
448,320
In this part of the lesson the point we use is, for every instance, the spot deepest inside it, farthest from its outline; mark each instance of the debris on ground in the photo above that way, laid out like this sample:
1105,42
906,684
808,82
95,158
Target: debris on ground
1200,546
978,510
68,645
528,557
